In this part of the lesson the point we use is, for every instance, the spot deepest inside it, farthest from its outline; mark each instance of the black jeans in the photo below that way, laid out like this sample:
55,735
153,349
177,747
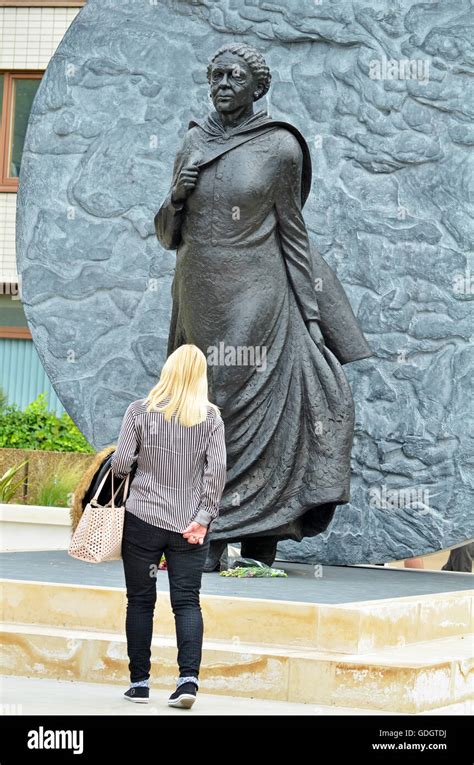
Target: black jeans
142,547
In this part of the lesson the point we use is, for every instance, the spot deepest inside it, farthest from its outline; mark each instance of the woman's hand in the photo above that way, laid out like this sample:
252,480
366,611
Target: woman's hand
315,332
185,184
195,533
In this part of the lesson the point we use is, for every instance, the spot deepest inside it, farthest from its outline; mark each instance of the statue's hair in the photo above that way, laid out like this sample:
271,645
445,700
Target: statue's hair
255,61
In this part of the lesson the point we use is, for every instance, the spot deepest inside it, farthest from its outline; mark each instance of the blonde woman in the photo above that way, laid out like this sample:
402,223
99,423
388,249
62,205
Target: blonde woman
177,437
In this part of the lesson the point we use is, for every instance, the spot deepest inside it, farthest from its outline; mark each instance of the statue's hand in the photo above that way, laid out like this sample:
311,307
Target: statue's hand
185,184
315,332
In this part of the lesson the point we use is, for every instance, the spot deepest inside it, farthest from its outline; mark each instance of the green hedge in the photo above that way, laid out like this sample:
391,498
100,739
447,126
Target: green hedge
37,428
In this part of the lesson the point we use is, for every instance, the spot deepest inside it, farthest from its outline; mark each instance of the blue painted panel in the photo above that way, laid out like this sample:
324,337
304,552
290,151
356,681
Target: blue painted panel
22,375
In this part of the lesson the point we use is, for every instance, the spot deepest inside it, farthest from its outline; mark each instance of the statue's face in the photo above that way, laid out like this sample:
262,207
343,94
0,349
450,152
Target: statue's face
232,83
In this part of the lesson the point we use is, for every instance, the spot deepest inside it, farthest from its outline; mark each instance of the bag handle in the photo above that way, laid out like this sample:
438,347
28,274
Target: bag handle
126,480
101,486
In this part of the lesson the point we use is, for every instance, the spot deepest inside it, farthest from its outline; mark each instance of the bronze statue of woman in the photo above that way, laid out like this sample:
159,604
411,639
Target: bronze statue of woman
266,309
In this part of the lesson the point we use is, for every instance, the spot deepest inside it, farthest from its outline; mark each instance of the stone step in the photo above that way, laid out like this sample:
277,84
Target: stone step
410,679
352,628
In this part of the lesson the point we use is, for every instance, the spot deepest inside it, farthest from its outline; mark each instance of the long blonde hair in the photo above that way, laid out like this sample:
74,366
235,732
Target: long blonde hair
184,380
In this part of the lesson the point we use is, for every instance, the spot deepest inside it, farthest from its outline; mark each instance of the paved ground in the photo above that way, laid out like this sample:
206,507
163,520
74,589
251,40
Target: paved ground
305,583
28,696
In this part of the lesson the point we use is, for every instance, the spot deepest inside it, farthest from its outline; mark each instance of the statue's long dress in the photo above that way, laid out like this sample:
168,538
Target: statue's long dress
244,279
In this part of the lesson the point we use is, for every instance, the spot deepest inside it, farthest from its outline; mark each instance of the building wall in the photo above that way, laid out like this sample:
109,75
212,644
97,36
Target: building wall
8,272
22,376
28,38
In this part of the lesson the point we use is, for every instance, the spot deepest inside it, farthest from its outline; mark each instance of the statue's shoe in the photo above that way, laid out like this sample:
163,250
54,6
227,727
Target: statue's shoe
216,557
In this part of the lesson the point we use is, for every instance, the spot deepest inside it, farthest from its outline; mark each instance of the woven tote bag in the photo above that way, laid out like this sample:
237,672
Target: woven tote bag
98,535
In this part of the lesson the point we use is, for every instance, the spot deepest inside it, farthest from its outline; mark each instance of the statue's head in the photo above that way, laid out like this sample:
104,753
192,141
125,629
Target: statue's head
237,75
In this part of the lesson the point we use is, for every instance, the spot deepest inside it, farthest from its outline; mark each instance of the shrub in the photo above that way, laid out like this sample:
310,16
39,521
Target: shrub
37,428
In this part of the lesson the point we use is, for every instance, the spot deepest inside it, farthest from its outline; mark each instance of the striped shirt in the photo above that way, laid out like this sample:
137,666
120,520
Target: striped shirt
181,471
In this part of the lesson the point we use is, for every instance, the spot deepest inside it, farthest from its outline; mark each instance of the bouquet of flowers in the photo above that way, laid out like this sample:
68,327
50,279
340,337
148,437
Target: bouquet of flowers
248,567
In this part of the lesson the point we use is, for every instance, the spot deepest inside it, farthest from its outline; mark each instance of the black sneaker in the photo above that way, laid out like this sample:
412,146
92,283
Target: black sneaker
184,696
139,694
